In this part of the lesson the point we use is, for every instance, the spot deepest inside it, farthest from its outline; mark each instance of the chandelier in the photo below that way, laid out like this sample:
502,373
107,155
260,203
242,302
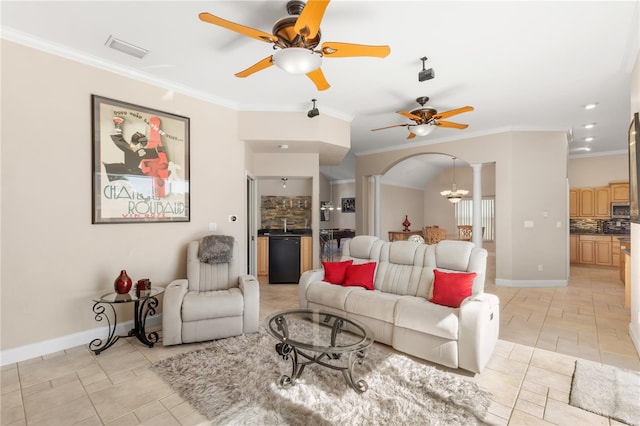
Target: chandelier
454,195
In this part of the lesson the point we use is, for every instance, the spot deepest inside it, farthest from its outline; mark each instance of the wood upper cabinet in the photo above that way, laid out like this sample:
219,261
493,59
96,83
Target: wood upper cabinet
602,204
263,255
619,192
590,202
587,202
574,200
306,254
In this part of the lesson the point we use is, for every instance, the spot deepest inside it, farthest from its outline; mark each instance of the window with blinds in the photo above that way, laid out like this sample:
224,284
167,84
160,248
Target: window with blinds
464,216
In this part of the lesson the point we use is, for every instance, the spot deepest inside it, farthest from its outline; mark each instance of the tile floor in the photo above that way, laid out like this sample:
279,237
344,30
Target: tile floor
542,333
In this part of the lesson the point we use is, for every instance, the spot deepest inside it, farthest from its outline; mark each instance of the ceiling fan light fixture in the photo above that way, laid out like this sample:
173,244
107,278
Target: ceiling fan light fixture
297,60
423,129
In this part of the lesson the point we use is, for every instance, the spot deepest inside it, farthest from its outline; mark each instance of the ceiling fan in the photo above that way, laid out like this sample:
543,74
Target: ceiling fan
426,119
295,39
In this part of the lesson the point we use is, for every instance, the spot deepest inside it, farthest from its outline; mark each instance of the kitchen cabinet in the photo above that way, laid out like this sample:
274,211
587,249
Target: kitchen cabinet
573,249
619,192
306,254
615,252
624,246
602,203
574,208
263,256
587,202
595,250
590,202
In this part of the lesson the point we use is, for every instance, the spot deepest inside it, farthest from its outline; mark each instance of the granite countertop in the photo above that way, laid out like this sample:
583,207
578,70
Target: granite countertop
280,232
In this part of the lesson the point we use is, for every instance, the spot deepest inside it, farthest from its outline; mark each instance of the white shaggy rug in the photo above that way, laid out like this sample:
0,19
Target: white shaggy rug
236,381
607,391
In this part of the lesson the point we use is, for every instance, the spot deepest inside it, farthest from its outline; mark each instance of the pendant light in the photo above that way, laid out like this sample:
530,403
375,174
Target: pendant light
454,195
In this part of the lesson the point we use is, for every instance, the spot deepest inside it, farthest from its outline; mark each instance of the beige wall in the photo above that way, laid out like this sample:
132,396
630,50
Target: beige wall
340,219
396,202
596,171
530,178
53,259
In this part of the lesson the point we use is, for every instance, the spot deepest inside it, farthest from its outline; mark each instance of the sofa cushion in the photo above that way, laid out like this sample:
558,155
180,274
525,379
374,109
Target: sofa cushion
451,254
334,272
372,304
360,275
323,293
451,288
416,313
204,305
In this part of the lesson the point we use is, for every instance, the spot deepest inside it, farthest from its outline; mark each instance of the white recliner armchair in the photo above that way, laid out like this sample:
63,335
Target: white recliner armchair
214,301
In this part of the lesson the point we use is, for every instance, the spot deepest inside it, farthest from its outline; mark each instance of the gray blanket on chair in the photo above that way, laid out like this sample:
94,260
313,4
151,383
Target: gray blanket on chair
216,249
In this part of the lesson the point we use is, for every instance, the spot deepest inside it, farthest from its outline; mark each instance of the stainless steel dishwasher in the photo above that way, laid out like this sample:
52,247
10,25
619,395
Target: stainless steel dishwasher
284,259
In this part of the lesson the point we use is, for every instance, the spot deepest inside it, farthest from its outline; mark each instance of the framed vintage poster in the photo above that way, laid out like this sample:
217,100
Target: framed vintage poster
140,164
634,167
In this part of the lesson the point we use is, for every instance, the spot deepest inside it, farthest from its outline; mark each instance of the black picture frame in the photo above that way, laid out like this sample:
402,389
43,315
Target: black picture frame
634,166
324,211
348,205
140,168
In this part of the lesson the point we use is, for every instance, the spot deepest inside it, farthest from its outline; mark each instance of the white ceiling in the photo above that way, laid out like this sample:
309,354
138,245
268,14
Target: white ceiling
527,65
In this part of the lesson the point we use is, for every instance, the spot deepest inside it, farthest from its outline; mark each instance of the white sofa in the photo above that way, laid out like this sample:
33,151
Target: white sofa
398,310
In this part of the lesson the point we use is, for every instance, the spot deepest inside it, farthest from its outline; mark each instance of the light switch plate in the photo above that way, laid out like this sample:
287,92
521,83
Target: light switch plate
528,224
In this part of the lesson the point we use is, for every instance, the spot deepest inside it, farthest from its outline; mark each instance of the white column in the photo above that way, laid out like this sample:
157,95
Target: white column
476,236
376,205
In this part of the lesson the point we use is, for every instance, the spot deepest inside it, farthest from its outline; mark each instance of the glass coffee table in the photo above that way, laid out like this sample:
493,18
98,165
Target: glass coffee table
315,337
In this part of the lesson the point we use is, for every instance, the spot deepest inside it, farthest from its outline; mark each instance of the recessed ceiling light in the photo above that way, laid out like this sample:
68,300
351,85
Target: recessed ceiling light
283,146
591,106
590,125
589,139
125,47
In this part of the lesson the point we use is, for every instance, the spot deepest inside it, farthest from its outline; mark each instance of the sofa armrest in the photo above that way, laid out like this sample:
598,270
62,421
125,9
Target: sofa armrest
478,332
307,278
250,289
172,312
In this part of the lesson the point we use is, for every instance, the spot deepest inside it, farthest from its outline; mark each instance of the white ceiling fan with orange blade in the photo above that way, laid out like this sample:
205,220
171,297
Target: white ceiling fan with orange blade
295,39
426,119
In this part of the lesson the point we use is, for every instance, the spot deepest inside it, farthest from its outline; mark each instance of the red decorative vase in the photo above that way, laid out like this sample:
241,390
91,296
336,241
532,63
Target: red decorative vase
122,284
406,223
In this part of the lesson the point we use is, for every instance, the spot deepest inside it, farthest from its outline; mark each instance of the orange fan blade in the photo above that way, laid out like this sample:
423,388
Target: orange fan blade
318,79
248,31
341,50
410,116
450,124
308,22
453,112
411,135
258,66
389,127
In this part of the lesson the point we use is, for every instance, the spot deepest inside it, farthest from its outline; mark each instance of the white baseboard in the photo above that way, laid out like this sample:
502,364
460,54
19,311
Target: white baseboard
35,350
531,283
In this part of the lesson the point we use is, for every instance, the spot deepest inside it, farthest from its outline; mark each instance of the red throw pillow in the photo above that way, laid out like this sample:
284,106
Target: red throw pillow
334,271
360,275
451,288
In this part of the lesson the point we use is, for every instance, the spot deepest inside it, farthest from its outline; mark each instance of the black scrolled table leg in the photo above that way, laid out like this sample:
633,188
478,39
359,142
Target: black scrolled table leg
289,352
359,386
97,345
142,311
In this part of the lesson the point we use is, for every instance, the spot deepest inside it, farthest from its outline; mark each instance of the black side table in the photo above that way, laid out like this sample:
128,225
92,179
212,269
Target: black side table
144,304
